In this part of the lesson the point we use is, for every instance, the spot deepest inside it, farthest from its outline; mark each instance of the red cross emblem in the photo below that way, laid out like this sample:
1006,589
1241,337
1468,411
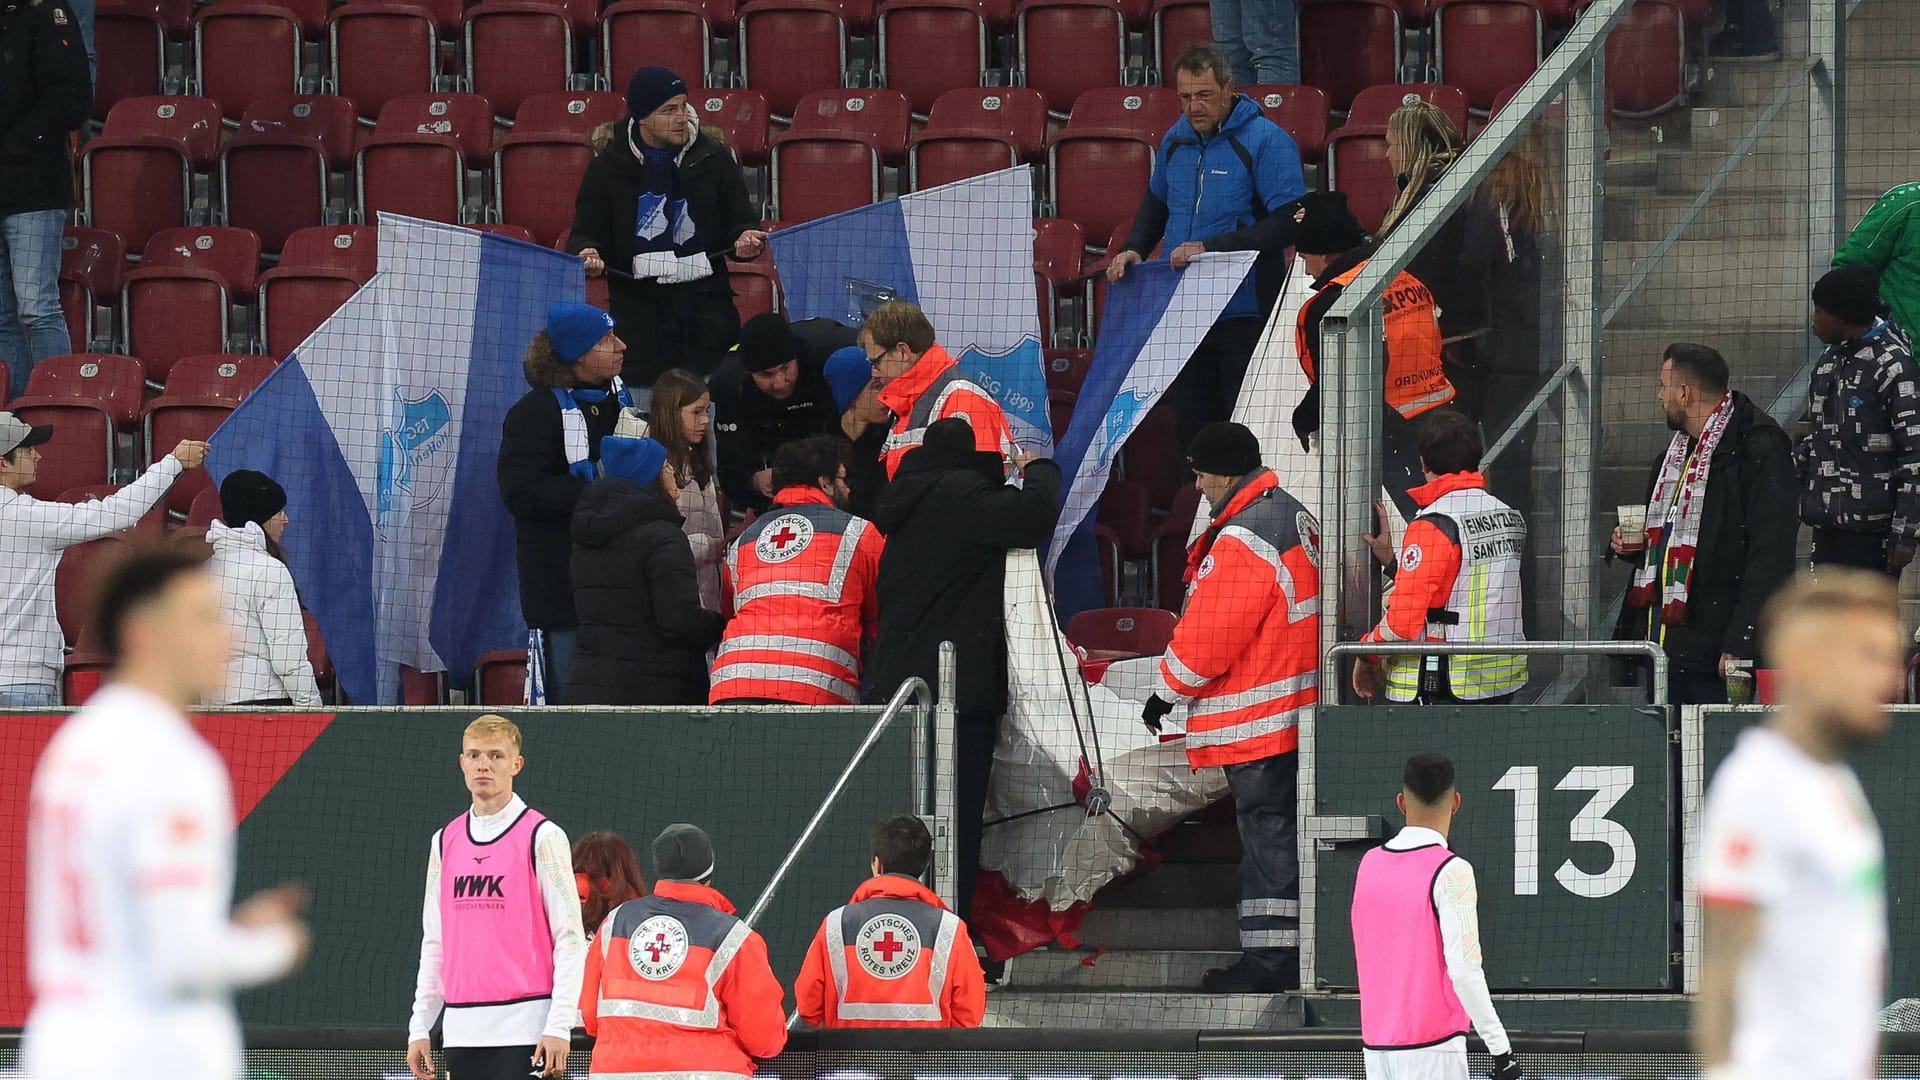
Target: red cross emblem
784,538
657,946
888,947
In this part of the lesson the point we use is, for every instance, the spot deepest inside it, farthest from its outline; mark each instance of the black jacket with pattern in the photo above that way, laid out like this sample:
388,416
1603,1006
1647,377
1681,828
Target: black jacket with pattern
1860,466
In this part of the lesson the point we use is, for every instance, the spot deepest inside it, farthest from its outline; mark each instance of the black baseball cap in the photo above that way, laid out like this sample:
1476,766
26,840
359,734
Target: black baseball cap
16,433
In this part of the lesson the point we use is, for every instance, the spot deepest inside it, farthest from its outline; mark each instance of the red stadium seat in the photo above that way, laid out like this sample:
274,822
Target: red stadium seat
201,392
1357,164
223,377
319,270
923,51
1151,456
348,249
515,49
274,182
110,381
422,687
465,118
1301,110
804,49
1176,25
193,122
81,451
1170,548
132,51
511,232
205,509
1122,632
1484,46
137,178
1375,105
1068,47
671,33
756,289
571,112
1067,368
742,115
75,581
176,16
327,117
83,675
244,50
884,117
91,264
377,51
317,656
1096,271
152,524
974,131
1099,164
816,174
421,173
1127,510
177,303
1057,246
1060,411
1349,45
310,14
500,677
535,179
1647,59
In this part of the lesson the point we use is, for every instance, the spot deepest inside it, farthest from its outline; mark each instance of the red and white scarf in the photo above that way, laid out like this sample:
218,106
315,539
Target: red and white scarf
1676,538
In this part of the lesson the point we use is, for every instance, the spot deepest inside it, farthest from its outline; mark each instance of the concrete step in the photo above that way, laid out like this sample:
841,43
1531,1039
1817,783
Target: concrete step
1162,928
1140,1009
1883,30
1633,214
1176,885
1115,969
1724,281
1870,166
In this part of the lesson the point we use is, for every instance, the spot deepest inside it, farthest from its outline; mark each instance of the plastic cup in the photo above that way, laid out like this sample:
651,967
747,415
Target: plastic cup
1633,526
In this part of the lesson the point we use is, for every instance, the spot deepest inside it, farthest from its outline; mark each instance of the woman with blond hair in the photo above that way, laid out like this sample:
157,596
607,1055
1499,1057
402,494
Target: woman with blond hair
680,417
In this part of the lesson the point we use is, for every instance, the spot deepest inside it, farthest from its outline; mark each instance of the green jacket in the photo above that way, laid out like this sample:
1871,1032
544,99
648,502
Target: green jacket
1888,239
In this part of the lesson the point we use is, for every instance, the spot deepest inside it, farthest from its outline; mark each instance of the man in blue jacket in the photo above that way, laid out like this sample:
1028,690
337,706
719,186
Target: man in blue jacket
1222,168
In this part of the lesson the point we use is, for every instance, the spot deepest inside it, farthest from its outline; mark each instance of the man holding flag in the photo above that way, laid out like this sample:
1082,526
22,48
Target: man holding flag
921,383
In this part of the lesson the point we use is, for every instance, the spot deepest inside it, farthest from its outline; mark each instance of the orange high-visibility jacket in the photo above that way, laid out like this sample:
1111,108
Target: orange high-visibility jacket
676,985
894,957
1416,381
1246,650
934,389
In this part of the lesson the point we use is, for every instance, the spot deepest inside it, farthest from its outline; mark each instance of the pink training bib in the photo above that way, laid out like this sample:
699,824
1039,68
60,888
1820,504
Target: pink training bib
1406,998
496,946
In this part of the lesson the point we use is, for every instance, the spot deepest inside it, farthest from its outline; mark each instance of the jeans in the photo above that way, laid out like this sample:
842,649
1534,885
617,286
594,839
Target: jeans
562,646
1260,39
83,14
29,696
1264,808
32,327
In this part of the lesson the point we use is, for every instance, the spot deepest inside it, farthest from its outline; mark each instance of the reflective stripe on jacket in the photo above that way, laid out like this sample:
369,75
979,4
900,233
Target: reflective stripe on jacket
1246,650
676,984
1416,381
894,957
933,389
800,583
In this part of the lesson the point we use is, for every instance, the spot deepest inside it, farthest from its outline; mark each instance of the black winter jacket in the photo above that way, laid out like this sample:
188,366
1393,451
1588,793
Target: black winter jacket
750,426
540,494
1747,536
949,525
45,94
643,634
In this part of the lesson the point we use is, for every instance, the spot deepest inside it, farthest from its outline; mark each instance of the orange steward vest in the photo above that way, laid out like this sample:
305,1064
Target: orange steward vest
1416,381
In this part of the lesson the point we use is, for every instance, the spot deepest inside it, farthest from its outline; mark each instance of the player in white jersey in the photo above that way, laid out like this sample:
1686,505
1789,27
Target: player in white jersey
133,953
1791,877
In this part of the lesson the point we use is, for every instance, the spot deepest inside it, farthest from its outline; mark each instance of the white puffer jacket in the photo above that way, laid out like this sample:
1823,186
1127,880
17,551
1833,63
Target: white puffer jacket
270,640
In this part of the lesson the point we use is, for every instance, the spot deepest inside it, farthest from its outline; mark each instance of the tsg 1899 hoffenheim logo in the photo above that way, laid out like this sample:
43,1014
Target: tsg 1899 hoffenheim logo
887,946
658,948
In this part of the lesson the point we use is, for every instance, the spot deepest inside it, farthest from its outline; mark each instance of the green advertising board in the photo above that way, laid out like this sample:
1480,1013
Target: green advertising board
1567,816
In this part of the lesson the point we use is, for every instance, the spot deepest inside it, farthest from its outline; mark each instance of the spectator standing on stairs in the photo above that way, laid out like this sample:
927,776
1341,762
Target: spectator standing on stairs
1888,240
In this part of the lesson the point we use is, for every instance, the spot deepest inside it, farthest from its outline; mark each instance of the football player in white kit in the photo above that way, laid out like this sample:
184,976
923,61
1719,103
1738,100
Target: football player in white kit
133,953
1792,882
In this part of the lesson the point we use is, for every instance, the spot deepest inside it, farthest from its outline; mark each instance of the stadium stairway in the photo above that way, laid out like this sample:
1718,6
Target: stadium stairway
1145,946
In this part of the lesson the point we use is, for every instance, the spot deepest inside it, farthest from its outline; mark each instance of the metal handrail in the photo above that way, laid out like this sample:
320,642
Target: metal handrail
914,691
1647,649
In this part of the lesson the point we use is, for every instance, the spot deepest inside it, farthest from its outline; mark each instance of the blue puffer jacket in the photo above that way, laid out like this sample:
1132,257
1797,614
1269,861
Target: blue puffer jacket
1204,187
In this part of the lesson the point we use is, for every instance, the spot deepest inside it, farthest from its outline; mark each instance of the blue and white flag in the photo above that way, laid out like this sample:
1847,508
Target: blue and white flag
964,253
384,428
1154,319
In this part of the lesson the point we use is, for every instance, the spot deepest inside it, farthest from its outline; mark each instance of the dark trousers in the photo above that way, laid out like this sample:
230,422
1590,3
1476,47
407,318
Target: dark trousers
973,767
1264,808
1750,24
674,326
1209,386
1863,551
488,1062
1688,687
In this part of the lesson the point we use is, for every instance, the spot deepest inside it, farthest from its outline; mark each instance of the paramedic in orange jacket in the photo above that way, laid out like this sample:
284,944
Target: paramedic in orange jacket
894,956
1245,655
1456,578
920,383
675,984
1335,249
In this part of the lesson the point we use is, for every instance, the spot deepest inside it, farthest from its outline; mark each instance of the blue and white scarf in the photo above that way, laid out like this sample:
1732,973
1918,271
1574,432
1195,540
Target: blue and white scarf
573,422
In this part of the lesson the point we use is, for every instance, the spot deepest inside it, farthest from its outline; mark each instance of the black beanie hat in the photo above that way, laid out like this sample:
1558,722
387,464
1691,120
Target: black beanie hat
766,342
651,87
682,853
247,496
1850,294
1224,448
1323,225
950,439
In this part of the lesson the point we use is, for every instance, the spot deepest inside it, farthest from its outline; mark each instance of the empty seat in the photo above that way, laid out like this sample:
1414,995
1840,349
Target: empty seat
1127,511
176,16
132,52
81,450
671,33
310,14
204,510
742,115
816,174
76,580
1485,46
883,117
500,677
377,51
1060,411
91,263
244,50
319,270
1349,45
273,182
330,118
1357,164
1170,538
928,47
137,177
512,232
536,177
416,163
973,131
177,303
1375,106
466,118
756,290
1151,456
804,48
1067,47
1646,60
1099,164
1301,110
111,381
1057,246
1122,632
515,49
571,112
1176,25
201,392
1066,369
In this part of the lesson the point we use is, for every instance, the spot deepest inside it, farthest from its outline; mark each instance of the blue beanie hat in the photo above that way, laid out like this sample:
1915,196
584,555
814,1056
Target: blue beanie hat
638,460
650,88
575,328
848,372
